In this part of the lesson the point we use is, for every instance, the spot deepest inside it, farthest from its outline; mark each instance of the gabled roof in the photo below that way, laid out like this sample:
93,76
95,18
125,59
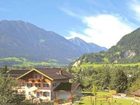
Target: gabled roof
17,73
55,73
51,73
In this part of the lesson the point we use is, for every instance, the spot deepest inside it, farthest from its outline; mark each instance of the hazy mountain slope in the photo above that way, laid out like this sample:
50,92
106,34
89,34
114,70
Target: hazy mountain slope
87,47
21,39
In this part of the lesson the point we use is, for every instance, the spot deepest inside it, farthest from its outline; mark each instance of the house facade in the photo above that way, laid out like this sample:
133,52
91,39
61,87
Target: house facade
45,83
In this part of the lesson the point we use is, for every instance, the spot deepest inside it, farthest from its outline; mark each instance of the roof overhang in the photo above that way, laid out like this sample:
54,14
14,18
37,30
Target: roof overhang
35,71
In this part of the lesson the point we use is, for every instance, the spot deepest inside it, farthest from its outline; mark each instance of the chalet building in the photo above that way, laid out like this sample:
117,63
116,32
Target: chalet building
45,83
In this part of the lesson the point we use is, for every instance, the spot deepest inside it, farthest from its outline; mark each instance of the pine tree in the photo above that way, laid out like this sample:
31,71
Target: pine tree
120,81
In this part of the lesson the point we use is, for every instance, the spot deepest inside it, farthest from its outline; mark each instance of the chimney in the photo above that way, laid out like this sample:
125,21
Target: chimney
60,72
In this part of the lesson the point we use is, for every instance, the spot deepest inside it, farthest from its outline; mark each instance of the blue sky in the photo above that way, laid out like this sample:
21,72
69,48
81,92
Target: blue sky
103,22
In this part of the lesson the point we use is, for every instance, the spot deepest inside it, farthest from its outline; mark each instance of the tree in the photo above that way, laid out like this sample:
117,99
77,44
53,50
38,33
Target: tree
135,86
106,80
8,95
17,99
94,91
120,81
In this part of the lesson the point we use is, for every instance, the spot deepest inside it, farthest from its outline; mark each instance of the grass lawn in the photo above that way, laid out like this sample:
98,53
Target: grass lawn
89,100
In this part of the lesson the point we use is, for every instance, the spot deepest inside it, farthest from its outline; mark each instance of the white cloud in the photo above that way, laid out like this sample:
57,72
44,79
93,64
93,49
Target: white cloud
105,30
69,12
73,34
135,6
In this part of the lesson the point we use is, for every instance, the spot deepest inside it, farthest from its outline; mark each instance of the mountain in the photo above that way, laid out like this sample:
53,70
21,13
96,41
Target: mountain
127,50
23,39
87,47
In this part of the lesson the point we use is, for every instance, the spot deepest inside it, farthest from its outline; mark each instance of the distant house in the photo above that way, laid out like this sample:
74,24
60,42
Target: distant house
45,83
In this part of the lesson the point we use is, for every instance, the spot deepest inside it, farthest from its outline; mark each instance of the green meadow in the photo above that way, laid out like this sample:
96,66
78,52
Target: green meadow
101,100
96,65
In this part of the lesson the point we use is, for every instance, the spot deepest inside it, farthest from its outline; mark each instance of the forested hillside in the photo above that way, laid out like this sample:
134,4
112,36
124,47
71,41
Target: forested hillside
127,50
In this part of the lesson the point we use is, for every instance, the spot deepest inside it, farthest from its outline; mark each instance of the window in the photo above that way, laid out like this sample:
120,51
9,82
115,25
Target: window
29,85
45,85
37,85
46,94
38,94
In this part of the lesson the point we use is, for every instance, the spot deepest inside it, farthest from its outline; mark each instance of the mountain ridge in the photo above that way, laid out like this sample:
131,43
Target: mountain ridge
87,47
23,39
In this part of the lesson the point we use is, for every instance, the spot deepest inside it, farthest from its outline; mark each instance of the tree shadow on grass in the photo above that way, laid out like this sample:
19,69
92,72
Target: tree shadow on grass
81,103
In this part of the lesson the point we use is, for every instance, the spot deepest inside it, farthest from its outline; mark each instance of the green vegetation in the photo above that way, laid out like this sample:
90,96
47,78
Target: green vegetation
120,82
87,101
135,85
104,98
127,50
119,77
22,62
8,95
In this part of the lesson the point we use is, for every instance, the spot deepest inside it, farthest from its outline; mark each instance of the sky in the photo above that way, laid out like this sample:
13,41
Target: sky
103,22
